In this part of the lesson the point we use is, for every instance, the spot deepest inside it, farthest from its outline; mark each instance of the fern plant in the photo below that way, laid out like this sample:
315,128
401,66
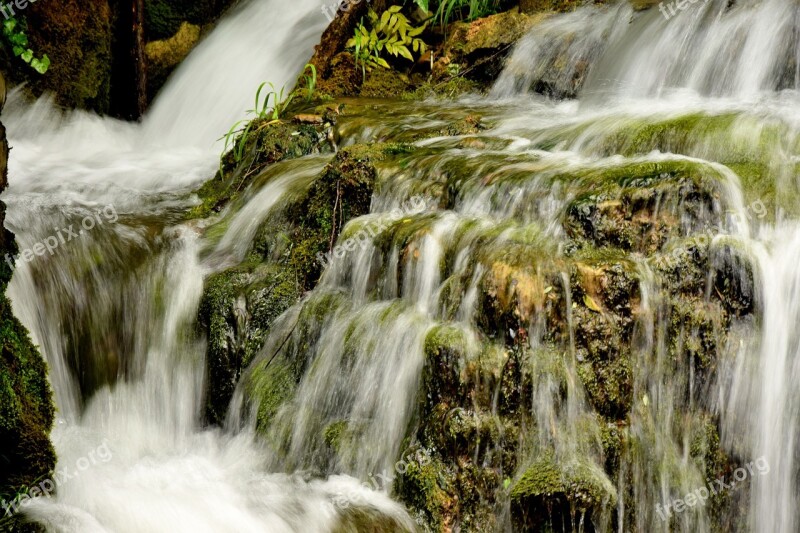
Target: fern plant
14,34
392,32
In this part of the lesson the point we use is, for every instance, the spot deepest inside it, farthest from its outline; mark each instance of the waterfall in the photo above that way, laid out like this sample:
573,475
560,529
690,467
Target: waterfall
714,90
261,40
113,308
712,48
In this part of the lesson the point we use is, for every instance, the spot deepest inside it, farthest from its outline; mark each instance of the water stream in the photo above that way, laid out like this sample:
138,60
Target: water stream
114,309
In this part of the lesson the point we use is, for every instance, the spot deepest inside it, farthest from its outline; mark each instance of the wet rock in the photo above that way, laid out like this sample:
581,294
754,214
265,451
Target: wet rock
639,207
479,48
355,519
238,309
384,83
308,119
343,79
165,55
539,6
556,495
267,142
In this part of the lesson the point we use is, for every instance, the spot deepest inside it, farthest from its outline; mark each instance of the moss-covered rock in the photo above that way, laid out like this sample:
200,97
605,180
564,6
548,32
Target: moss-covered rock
77,37
555,495
428,489
267,142
354,519
240,305
342,192
26,406
384,83
539,6
640,206
165,55
344,77
236,312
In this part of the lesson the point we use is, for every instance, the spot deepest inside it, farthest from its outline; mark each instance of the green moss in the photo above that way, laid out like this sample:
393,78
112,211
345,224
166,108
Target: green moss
583,484
360,519
427,488
283,263
639,206
543,6
77,37
342,192
542,478
696,331
384,83
273,383
236,313
267,143
450,88
26,407
333,433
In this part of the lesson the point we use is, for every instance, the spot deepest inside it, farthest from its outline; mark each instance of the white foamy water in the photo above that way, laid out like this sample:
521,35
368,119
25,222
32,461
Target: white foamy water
145,372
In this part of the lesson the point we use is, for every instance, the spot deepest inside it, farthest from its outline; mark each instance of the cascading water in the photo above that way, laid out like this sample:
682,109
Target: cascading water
113,308
712,90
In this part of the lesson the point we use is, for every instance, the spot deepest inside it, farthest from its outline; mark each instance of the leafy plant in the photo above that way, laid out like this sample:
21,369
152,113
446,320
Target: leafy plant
311,81
15,36
391,32
237,137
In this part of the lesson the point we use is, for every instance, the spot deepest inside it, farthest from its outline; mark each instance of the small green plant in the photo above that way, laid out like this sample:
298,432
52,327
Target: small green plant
237,137
311,81
447,11
14,34
391,32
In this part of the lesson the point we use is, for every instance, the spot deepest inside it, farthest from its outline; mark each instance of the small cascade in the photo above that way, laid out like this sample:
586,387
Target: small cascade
713,48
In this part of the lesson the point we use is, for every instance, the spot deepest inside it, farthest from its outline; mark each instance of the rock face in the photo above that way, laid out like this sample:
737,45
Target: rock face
164,18
77,37
26,406
481,46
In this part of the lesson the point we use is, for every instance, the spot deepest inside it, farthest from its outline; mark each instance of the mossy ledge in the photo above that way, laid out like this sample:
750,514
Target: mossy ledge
583,307
240,304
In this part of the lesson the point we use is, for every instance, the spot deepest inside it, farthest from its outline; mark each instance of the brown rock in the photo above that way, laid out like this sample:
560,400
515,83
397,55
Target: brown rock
308,119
